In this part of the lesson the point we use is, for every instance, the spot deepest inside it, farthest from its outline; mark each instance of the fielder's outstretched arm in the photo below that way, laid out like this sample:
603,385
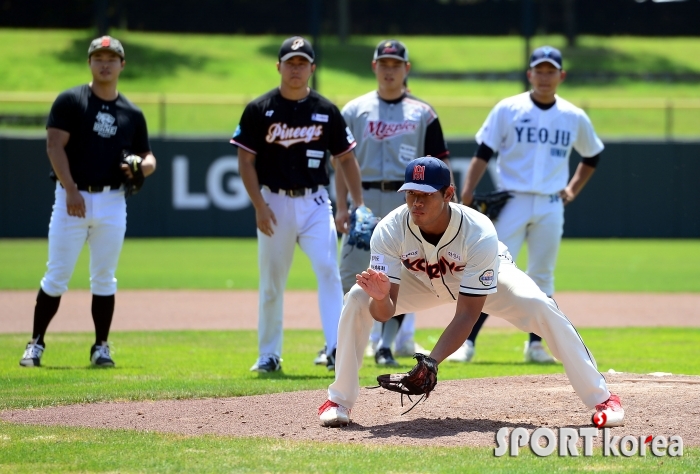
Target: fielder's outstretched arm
467,312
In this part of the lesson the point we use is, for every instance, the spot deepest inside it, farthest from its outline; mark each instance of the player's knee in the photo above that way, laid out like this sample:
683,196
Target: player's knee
103,285
54,288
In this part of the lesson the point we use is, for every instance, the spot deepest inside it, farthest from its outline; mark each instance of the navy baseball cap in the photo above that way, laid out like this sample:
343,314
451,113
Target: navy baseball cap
391,49
106,43
296,46
546,54
426,174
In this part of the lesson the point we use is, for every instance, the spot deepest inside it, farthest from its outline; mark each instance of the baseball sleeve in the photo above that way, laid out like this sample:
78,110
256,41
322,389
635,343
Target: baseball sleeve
63,112
490,132
481,271
341,137
587,142
435,144
248,132
386,250
139,142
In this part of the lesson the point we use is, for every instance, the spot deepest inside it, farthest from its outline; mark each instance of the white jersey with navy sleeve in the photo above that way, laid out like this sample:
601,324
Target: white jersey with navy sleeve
465,261
534,145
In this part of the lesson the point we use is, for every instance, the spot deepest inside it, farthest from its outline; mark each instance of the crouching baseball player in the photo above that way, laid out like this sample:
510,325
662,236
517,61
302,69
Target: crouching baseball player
430,252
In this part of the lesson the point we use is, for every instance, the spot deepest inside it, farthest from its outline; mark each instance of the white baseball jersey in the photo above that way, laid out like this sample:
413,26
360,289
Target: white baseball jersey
534,145
465,261
390,134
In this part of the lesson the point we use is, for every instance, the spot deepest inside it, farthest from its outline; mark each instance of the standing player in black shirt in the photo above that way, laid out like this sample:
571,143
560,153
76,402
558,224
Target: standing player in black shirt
89,129
282,139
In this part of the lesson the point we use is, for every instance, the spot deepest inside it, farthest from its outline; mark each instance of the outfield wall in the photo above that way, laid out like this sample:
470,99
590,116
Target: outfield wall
645,189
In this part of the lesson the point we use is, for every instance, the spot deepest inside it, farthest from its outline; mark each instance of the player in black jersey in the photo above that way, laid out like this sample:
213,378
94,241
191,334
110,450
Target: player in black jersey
89,129
283,138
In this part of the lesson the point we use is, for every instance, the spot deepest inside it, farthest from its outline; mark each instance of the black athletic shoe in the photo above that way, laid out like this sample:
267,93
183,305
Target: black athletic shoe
100,357
32,355
330,364
384,357
267,364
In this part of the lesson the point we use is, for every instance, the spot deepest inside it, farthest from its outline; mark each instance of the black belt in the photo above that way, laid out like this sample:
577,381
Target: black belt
383,185
295,192
97,189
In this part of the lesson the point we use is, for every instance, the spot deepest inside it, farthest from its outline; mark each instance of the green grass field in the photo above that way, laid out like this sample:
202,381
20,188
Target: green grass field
242,67
191,364
640,265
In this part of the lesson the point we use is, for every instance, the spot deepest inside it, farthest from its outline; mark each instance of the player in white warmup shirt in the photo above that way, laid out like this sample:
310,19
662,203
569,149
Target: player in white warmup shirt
431,252
534,133
392,128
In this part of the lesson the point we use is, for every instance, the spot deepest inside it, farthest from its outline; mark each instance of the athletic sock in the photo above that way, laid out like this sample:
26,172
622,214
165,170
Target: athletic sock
389,331
477,327
102,312
44,311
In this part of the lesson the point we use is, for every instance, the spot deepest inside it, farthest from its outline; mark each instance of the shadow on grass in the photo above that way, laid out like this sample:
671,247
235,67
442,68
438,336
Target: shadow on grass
148,61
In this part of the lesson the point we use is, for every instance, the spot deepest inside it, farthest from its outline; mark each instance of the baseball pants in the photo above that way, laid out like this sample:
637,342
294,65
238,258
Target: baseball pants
309,221
518,301
539,220
103,228
354,260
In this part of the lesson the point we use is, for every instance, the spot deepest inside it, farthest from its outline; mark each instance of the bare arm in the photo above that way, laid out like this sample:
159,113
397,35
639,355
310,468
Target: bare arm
351,172
477,168
56,141
342,214
467,312
264,216
578,181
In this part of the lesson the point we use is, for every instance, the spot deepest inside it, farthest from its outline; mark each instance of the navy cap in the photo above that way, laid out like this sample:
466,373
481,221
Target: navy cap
546,54
106,43
296,46
391,49
426,174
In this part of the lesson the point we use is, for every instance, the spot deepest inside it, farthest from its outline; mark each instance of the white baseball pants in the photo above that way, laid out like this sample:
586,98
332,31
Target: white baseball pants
518,301
103,228
309,221
539,220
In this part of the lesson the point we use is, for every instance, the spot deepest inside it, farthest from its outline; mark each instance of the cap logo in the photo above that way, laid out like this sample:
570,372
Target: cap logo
298,43
419,173
547,51
106,40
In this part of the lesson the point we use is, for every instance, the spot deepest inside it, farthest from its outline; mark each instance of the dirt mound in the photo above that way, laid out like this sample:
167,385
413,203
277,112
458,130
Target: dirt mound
458,413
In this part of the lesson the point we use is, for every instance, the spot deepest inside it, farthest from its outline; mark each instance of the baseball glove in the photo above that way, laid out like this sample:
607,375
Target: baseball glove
362,224
133,185
421,380
490,204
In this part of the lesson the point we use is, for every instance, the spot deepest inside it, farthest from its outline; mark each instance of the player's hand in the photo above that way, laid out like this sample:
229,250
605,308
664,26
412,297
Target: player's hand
342,221
75,204
567,195
127,171
265,220
376,284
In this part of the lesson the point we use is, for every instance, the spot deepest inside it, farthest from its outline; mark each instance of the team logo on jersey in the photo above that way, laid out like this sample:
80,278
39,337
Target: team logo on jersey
269,113
435,270
237,131
412,253
419,173
349,135
454,255
543,135
319,117
379,130
104,125
280,134
486,278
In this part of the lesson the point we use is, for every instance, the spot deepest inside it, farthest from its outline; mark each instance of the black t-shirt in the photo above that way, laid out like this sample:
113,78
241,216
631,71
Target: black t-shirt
290,138
100,131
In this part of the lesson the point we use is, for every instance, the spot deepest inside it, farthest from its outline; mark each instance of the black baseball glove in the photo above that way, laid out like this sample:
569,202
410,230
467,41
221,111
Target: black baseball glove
133,185
421,380
362,224
490,204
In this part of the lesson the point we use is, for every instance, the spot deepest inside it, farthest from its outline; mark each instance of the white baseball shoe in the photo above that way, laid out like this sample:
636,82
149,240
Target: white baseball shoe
464,354
32,355
535,352
321,358
408,348
333,415
609,413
